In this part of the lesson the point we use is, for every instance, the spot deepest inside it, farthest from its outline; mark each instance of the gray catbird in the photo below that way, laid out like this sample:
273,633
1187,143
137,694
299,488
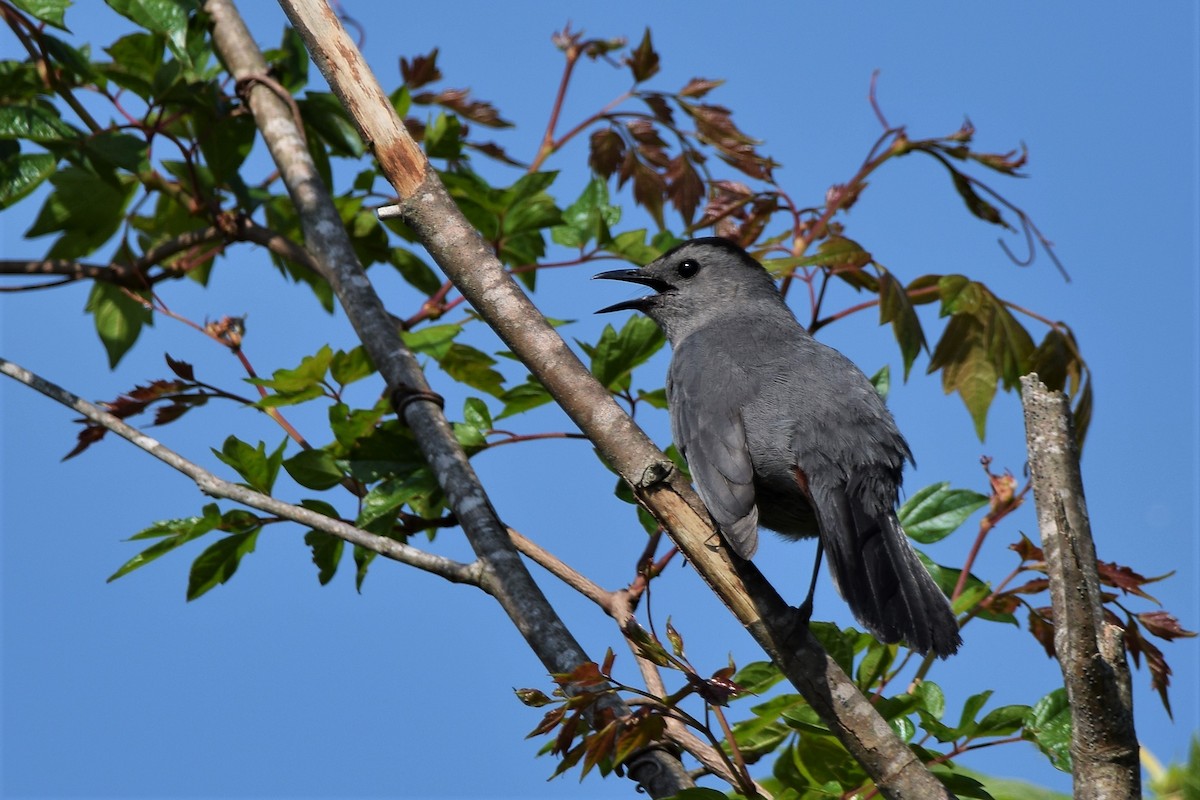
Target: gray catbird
783,431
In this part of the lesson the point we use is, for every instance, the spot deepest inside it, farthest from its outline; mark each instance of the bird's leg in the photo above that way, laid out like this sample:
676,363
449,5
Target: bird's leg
805,610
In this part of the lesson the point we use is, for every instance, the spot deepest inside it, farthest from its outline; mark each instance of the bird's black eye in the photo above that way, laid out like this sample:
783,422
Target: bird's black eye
688,267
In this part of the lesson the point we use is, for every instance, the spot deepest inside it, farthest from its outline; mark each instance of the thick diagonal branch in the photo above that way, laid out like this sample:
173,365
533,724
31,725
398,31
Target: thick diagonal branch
475,270
506,577
1091,652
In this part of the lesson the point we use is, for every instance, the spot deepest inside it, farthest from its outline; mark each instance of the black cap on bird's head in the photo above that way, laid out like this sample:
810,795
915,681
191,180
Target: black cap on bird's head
694,282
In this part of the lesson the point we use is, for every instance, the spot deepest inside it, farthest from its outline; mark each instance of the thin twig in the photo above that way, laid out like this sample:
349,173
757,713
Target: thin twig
213,486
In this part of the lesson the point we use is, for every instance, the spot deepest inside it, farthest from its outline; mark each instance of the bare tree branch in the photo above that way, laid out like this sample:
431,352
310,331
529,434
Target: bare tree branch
479,276
506,578
210,484
1091,652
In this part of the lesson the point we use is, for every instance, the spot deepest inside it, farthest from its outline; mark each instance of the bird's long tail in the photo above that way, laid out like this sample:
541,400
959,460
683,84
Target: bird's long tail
887,587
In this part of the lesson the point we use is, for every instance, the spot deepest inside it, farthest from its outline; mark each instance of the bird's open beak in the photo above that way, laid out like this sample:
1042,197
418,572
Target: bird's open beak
632,276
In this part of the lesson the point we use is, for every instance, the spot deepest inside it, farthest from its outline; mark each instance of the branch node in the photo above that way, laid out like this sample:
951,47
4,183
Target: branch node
404,395
655,473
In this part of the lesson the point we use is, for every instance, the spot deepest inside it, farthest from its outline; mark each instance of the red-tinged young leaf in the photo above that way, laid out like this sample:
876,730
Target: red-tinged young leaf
659,107
181,368
599,749
684,187
1041,625
648,190
1160,671
1035,586
643,61
585,676
178,407
964,134
421,70
549,722
976,204
569,760
1164,625
606,151
1001,604
1006,163
698,87
720,688
1027,550
566,734
86,438
643,730
457,100
1125,579
534,698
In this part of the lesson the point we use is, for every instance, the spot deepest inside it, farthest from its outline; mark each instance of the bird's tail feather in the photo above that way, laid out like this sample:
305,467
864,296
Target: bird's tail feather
887,587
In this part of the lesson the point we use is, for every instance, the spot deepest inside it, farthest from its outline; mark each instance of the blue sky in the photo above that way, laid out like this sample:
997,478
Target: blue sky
273,686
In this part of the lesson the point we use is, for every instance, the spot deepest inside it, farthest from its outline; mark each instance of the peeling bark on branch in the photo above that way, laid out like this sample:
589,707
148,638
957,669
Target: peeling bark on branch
479,276
1091,652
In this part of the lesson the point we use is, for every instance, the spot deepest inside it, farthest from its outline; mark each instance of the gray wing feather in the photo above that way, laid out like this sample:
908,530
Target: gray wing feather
706,422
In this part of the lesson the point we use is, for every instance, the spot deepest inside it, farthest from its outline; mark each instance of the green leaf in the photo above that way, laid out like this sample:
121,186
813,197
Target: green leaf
443,137
289,62
966,722
1003,721
962,356
346,367
226,143
314,469
326,549
325,115
35,124
21,173
936,511
1048,725
165,17
304,382
136,58
931,699
384,500
418,274
617,353
177,532
351,425
219,562
882,381
432,340
254,465
523,397
476,413
117,150
758,676
362,561
589,217
632,246
473,367
961,785
49,11
118,317
896,308
86,208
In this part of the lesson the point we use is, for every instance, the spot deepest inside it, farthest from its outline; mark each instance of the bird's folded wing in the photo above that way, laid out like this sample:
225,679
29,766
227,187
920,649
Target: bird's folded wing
707,425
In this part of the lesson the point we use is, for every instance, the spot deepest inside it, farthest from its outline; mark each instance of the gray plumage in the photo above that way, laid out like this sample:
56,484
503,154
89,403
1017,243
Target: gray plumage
782,431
